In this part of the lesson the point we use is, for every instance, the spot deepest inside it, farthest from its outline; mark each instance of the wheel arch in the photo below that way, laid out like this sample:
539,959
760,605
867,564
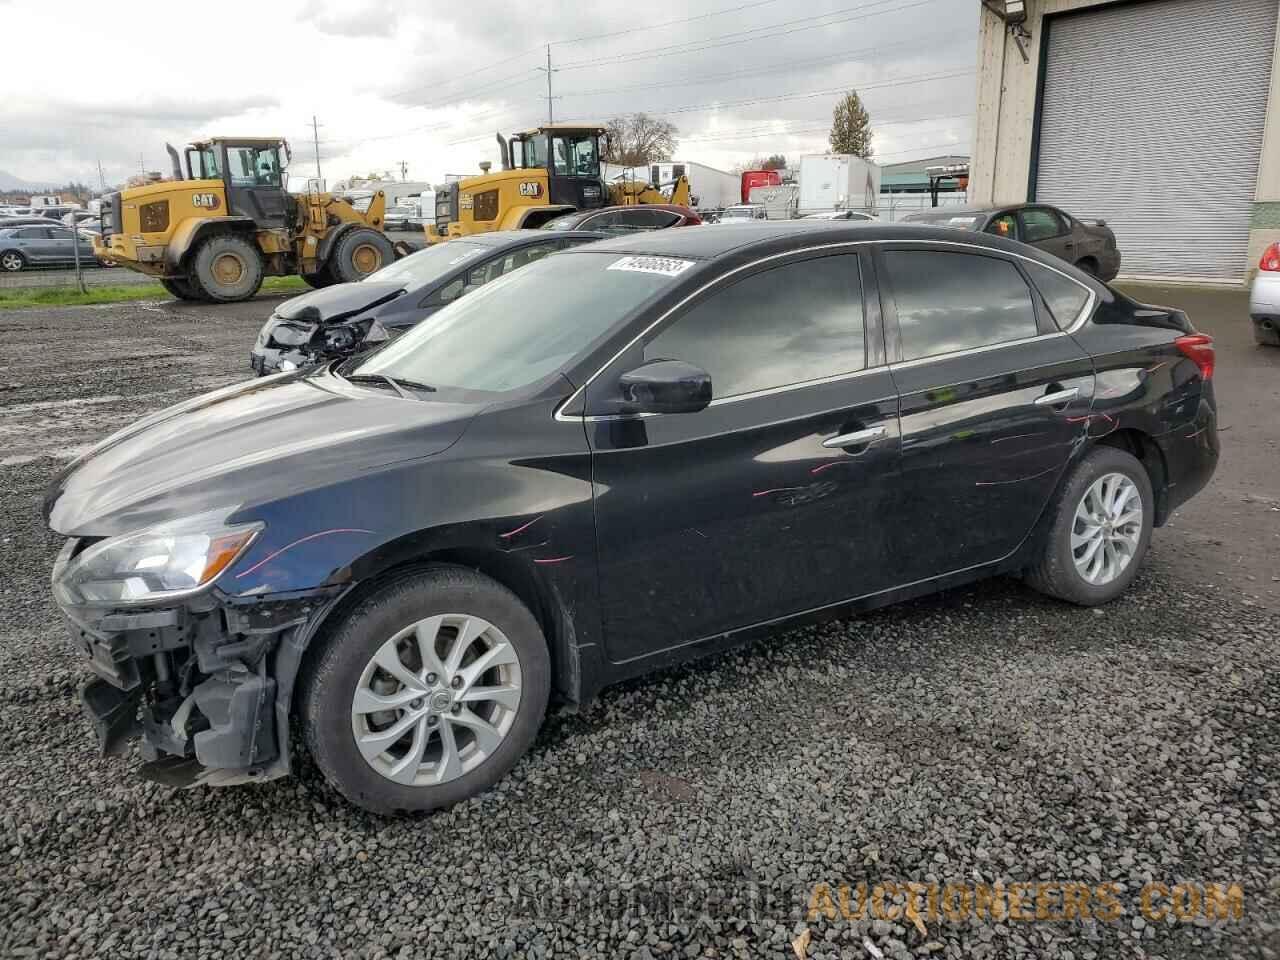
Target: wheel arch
1143,448
330,240
190,233
530,218
517,575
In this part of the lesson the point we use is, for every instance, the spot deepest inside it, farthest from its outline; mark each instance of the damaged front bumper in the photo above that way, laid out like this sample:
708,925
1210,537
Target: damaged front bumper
197,683
284,345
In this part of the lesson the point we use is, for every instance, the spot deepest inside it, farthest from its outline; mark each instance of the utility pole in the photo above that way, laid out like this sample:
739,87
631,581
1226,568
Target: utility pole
404,170
315,137
551,114
102,177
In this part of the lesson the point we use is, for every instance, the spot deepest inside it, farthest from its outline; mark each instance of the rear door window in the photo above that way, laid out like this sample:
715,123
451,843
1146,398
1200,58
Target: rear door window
1064,296
1005,225
794,323
957,301
1040,224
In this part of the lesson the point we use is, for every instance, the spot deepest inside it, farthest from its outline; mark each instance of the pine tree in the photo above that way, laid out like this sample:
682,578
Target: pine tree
851,127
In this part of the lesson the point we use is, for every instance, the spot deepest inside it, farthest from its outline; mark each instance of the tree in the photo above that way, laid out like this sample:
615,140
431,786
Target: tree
851,127
637,139
775,162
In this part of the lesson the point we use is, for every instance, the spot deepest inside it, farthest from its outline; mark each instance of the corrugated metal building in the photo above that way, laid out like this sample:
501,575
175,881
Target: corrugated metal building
1161,117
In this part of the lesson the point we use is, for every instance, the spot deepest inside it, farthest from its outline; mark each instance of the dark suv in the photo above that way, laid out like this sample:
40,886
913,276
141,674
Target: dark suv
614,459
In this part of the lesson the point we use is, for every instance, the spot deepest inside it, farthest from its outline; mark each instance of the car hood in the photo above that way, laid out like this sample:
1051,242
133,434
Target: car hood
339,302
245,445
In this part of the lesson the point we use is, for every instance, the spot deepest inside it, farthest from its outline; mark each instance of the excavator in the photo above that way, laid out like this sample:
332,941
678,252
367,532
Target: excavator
547,171
225,221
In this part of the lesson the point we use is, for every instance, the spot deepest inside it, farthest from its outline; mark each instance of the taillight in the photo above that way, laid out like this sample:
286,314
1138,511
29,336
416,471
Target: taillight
1270,259
1198,347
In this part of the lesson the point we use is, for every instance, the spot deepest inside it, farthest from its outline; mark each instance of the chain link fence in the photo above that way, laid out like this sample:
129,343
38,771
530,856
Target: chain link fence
65,277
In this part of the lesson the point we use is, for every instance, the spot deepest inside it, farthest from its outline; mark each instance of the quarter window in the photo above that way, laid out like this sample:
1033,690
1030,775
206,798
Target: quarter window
1040,224
1065,297
798,322
957,301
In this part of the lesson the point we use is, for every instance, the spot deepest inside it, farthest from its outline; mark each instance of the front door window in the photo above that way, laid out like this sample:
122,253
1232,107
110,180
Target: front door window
254,166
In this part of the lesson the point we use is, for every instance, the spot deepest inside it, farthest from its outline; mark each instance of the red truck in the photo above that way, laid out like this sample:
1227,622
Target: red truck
758,178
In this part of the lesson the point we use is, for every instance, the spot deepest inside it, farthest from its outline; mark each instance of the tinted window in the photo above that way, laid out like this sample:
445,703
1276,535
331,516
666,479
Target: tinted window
957,301
33,233
1040,224
798,322
429,264
1065,297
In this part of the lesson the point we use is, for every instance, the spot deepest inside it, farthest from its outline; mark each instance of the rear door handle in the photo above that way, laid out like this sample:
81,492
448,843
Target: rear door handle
1058,397
857,438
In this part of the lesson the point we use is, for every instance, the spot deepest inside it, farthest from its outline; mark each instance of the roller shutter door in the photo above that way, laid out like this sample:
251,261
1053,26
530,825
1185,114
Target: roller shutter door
1151,119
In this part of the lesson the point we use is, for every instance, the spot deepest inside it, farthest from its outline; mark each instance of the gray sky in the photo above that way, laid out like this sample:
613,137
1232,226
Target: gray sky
430,83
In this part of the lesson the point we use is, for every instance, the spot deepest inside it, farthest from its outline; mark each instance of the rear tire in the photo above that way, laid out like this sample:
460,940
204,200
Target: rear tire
433,755
11,261
226,268
358,254
180,288
1108,485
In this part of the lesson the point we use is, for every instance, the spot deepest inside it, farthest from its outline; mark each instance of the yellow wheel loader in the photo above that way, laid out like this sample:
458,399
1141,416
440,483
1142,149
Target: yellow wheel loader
551,170
225,221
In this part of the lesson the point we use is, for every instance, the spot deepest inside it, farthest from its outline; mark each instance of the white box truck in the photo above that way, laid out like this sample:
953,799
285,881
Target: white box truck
838,181
779,201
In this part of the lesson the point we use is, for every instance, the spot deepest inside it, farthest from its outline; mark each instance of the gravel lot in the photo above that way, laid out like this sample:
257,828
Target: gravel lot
985,734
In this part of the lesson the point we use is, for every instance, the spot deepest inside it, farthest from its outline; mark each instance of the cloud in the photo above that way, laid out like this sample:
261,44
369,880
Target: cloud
429,84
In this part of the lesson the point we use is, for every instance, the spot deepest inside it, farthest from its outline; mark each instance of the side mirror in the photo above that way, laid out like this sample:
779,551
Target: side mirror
665,386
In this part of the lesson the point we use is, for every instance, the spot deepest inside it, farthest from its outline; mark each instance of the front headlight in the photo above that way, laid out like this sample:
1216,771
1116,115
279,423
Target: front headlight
163,562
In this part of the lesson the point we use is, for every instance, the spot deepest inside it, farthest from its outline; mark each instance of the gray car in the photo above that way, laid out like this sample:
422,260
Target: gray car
35,246
1091,247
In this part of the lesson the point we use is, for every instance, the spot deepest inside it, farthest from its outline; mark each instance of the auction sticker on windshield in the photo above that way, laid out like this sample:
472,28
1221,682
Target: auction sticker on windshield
665,266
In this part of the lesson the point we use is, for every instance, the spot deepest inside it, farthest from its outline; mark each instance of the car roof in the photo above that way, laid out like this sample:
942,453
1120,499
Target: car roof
514,238
784,235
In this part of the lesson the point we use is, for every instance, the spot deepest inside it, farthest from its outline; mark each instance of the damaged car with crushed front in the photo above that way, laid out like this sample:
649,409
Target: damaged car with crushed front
600,465
338,321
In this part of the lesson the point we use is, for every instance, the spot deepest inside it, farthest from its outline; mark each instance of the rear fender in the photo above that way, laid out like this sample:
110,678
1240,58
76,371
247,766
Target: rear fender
189,233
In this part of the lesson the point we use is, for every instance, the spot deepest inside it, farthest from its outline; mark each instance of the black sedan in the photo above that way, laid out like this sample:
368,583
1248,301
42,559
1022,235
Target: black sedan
340,320
1091,247
613,460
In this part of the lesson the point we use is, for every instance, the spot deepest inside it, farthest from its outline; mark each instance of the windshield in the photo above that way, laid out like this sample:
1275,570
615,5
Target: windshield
944,218
525,325
428,264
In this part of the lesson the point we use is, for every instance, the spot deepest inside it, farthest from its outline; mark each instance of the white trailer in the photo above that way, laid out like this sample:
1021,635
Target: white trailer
838,181
711,189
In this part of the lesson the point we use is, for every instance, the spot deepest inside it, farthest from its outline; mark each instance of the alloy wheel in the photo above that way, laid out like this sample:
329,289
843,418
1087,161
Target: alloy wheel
1107,528
436,700
11,262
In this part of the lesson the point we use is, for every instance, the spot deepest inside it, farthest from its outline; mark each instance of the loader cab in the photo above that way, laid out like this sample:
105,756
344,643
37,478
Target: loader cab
570,156
252,174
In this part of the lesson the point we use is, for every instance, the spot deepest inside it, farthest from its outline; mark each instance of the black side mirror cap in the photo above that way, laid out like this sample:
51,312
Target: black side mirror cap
665,386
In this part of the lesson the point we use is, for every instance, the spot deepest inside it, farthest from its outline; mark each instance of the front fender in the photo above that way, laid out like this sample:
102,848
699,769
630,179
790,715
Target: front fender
190,232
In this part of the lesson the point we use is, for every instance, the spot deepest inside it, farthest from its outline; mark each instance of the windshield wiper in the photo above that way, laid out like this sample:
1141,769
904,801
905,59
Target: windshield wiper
397,385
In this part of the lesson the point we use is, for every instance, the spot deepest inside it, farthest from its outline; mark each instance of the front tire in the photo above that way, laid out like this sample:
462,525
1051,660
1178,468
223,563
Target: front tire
227,268
427,693
1100,531
359,253
321,278
11,261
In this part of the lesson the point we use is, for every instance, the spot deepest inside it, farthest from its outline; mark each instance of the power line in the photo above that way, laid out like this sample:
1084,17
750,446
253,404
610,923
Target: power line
725,40
755,72
665,23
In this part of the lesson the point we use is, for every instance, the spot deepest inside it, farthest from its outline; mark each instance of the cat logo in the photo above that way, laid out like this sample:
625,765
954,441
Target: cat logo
530,188
208,201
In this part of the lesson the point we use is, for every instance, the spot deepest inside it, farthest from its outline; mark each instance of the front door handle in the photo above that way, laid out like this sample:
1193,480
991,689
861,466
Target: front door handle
1058,397
855,439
